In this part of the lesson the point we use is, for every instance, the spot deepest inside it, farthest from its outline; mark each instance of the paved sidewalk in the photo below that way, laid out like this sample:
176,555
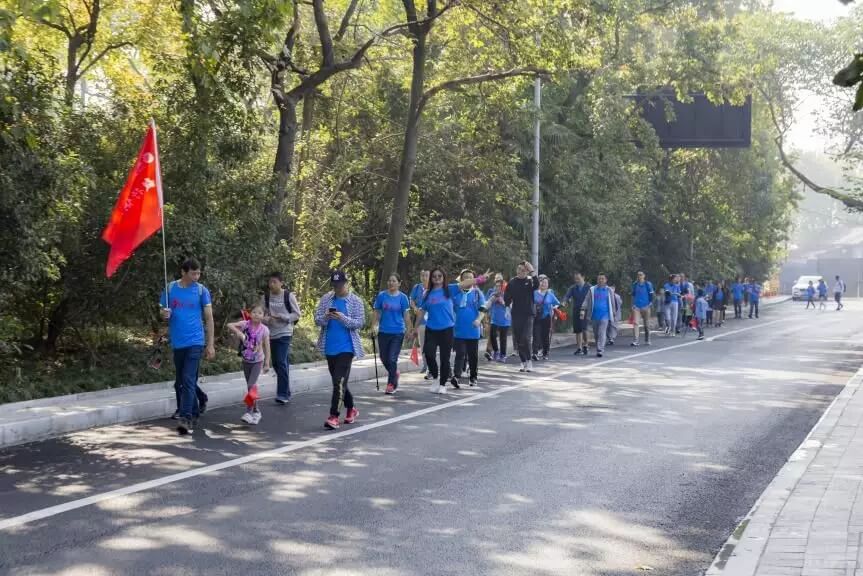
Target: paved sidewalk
809,521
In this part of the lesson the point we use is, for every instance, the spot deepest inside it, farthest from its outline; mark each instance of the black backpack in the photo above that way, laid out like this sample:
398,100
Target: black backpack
287,303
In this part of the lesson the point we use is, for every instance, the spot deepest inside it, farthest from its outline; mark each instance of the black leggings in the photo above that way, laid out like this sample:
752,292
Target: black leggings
522,331
443,340
340,372
542,335
469,348
498,338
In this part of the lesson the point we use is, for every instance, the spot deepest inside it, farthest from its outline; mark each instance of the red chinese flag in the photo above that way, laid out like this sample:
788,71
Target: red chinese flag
251,396
137,215
415,354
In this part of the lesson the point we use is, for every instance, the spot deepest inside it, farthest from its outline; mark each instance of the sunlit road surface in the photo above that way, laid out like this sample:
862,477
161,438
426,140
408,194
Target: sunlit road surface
640,463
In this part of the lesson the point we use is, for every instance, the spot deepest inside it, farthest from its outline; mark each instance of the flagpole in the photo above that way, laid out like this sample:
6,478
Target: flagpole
161,208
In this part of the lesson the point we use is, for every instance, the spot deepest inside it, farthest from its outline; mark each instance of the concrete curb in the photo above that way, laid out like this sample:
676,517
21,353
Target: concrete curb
742,552
33,420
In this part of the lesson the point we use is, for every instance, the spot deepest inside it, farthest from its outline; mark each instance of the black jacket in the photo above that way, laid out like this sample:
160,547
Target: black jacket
519,293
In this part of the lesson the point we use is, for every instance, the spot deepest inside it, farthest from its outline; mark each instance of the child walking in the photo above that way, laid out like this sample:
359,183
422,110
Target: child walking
255,351
701,308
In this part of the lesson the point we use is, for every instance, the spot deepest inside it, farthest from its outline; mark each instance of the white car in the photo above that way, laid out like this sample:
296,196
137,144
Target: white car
798,291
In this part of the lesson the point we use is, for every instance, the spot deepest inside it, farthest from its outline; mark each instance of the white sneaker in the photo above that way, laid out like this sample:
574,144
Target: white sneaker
441,389
433,388
256,418
523,367
248,418
530,365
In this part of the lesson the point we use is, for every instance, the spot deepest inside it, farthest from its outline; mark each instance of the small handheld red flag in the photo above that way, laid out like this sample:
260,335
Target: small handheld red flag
137,215
632,319
415,354
251,396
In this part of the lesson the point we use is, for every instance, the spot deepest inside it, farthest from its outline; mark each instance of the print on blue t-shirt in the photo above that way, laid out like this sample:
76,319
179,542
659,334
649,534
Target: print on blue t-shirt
467,309
393,308
440,314
338,337
600,304
547,300
417,298
186,327
641,294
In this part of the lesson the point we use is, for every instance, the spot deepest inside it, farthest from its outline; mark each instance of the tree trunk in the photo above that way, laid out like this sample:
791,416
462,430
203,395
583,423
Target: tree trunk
306,134
398,220
56,325
71,69
284,154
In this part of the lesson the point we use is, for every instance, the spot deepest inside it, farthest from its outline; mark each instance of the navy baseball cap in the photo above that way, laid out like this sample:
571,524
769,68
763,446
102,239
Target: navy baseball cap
338,277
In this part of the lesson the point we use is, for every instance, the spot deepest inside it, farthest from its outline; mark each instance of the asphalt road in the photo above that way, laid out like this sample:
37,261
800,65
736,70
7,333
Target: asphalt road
646,459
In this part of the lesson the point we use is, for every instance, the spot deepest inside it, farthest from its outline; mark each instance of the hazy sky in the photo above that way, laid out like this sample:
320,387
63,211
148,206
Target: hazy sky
803,135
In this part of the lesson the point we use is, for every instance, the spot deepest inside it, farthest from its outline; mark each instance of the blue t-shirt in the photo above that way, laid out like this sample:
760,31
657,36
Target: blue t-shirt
737,289
756,292
719,295
641,294
467,308
810,291
577,295
709,290
439,310
701,308
393,310
186,304
417,298
674,289
600,304
822,289
500,315
548,301
338,336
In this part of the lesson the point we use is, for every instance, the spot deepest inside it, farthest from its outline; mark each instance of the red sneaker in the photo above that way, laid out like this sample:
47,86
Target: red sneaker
332,423
351,416
391,389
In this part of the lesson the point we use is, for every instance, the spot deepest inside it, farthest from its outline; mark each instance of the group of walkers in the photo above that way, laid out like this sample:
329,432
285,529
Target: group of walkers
839,288
441,316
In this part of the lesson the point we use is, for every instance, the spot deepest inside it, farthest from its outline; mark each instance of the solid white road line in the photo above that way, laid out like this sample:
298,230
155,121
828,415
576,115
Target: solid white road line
50,511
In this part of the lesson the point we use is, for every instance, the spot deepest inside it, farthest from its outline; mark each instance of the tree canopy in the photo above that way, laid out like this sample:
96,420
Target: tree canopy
303,135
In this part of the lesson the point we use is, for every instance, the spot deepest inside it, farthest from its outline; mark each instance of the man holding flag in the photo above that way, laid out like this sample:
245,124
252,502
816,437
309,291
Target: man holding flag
137,215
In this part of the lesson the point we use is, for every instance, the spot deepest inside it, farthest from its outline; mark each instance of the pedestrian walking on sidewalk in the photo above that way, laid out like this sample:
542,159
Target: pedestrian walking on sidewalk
546,303
255,351
701,308
615,316
754,297
340,314
391,322
281,313
469,312
672,304
709,295
720,294
576,295
599,307
182,305
500,318
519,295
737,293
810,295
416,299
439,315
839,288
642,300
822,295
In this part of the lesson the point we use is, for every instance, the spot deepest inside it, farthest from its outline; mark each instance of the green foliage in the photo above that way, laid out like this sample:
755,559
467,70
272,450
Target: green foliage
204,72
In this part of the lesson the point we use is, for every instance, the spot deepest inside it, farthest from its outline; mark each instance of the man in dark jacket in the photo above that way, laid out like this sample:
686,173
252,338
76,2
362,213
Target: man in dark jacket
519,295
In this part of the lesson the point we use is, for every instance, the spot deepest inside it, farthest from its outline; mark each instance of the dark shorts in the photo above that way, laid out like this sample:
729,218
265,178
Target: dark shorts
579,325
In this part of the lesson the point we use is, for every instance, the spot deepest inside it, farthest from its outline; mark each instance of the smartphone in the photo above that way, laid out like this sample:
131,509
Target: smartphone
333,310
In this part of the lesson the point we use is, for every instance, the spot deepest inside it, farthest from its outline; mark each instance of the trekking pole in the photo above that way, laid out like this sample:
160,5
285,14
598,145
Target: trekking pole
375,351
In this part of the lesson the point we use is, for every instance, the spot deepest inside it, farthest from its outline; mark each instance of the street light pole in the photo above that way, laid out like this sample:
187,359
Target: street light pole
534,241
